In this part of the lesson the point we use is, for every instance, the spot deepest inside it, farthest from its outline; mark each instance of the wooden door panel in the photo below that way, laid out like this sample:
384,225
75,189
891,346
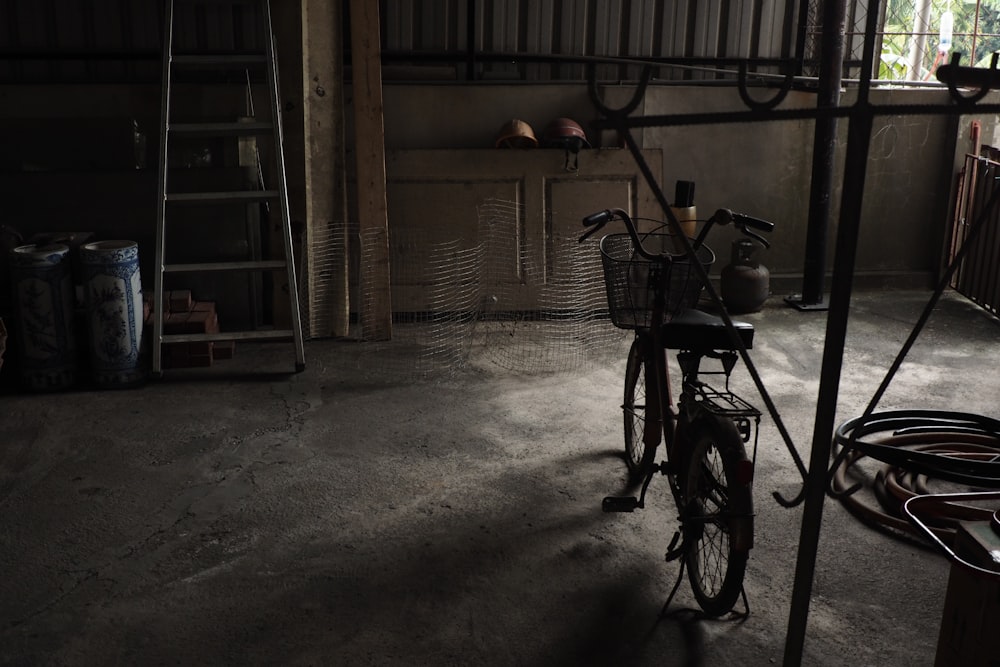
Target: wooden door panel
496,221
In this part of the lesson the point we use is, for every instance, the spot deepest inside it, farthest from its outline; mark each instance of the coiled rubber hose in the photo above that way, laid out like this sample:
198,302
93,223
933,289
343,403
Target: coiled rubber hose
919,448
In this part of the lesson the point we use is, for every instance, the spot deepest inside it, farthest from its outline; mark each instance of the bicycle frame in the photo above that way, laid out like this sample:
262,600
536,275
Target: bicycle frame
662,418
704,435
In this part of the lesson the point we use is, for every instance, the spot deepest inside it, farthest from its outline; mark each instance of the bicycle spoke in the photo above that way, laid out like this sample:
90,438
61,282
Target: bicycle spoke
636,412
711,553
712,487
638,455
714,508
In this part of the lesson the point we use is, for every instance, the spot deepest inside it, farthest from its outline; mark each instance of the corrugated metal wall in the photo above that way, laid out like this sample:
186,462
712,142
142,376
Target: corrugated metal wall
67,41
119,40
691,29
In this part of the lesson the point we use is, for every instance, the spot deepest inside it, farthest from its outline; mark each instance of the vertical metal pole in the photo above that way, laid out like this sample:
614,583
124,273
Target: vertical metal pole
824,154
858,140
859,133
470,43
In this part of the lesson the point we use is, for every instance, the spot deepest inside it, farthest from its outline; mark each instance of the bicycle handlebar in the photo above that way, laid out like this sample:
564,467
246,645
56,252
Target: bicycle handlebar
599,218
596,221
722,216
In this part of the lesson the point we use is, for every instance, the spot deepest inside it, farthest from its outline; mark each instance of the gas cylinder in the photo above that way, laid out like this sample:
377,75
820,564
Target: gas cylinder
746,283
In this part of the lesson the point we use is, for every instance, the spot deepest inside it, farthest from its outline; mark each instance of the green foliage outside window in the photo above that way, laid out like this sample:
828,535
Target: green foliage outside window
975,41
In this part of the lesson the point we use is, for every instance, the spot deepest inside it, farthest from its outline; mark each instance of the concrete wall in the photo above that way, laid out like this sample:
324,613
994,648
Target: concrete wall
762,169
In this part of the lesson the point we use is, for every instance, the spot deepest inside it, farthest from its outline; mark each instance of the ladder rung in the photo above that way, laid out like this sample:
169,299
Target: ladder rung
260,265
243,66
233,197
267,334
219,60
221,129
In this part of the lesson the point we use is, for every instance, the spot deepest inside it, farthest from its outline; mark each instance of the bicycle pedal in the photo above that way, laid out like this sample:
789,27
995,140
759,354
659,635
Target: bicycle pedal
620,504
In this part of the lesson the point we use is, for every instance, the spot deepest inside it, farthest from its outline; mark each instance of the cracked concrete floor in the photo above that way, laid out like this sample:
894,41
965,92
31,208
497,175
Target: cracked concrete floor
242,515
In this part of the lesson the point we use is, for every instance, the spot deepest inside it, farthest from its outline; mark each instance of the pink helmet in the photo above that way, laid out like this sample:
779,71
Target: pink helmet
565,133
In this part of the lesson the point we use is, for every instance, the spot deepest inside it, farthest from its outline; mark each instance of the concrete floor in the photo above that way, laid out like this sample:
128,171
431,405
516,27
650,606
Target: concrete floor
242,515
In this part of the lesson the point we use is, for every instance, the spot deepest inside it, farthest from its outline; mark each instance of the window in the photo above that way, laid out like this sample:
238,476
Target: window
913,31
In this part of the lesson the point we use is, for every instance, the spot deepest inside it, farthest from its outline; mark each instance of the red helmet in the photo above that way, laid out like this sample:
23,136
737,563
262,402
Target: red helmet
516,134
565,133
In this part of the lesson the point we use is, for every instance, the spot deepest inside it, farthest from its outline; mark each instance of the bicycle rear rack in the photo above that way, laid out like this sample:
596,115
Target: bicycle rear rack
725,403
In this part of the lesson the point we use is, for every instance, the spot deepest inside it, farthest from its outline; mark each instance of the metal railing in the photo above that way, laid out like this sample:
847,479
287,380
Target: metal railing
977,276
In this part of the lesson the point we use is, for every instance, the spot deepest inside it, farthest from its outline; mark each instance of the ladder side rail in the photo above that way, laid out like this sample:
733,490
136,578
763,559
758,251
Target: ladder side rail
279,155
161,204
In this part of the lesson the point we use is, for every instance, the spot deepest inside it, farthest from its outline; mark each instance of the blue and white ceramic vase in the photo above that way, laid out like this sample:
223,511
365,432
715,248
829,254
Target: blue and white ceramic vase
114,312
44,297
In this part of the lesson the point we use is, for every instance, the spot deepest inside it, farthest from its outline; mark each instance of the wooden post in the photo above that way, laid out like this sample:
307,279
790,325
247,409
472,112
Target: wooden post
325,167
369,142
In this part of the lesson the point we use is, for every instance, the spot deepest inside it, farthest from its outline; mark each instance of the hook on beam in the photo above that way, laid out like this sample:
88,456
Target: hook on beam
985,79
632,105
763,105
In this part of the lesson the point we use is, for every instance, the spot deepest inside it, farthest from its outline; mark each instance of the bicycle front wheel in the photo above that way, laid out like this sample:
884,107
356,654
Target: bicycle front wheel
718,514
638,456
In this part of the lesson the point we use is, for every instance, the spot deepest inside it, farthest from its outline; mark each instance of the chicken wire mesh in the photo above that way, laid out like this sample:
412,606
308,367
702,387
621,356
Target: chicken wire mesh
461,303
323,282
429,340
568,327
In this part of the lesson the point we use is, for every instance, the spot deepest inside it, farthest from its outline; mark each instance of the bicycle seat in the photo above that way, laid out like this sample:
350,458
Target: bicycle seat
693,329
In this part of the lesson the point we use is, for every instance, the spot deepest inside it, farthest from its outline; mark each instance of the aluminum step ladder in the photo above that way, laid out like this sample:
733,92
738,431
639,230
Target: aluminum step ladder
251,64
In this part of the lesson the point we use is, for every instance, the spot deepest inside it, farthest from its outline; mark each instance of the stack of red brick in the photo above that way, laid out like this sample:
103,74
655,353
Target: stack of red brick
184,315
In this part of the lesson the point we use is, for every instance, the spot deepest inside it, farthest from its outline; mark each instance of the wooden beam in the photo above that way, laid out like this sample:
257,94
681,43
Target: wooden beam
325,166
369,142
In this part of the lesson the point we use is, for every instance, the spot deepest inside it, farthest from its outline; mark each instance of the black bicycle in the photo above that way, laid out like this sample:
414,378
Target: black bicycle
653,284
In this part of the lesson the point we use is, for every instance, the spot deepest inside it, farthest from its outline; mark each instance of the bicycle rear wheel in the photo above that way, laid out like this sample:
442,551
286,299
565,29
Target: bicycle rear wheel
638,456
718,514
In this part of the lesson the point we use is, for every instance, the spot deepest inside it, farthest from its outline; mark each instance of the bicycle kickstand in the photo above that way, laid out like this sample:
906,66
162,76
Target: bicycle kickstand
673,591
746,604
675,552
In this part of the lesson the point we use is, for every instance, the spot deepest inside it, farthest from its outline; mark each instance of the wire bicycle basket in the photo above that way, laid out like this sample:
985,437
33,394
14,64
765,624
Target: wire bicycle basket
631,280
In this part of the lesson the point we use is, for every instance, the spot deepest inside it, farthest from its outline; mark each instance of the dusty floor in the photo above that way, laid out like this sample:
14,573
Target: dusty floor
243,515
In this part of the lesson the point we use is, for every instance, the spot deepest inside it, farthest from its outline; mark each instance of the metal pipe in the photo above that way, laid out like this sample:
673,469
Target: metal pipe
824,156
470,42
855,170
859,135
